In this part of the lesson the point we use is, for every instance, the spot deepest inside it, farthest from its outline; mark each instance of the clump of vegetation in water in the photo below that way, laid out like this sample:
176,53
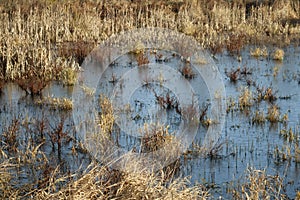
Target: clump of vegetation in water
260,185
278,55
259,52
245,99
273,114
259,117
56,103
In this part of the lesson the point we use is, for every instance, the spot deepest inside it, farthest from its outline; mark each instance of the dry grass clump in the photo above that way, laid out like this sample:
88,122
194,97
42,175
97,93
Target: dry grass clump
273,114
267,94
9,136
104,183
56,103
259,52
259,185
107,117
7,191
259,117
155,136
297,154
278,55
245,99
289,135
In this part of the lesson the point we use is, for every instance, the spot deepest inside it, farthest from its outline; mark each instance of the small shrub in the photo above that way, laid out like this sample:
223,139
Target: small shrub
32,85
76,49
235,43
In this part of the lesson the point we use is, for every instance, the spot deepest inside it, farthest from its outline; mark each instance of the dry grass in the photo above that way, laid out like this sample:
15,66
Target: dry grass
259,52
103,183
245,99
56,103
259,117
39,34
278,54
273,114
260,185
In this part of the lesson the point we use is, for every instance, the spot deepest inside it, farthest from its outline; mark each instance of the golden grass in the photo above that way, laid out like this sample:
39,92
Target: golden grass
245,99
259,117
56,103
273,114
103,183
278,54
260,185
37,35
259,52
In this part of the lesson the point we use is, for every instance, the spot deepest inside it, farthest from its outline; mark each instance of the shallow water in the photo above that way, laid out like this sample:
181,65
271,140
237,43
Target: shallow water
245,144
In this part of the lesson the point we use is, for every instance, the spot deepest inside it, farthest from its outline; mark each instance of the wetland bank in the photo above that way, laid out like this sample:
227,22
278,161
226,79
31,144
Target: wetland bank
254,45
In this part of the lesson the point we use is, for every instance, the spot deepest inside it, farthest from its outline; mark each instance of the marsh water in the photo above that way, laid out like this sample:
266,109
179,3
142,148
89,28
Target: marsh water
243,143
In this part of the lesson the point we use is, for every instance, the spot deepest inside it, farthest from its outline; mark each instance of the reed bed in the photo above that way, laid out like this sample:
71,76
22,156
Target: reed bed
41,38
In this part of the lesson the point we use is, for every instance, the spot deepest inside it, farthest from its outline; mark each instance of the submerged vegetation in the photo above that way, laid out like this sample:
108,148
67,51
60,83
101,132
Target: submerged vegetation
47,40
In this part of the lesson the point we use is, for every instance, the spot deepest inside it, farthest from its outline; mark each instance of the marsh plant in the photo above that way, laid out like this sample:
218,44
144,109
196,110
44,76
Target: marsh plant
39,33
56,103
259,117
245,98
155,137
273,114
259,52
260,185
278,54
